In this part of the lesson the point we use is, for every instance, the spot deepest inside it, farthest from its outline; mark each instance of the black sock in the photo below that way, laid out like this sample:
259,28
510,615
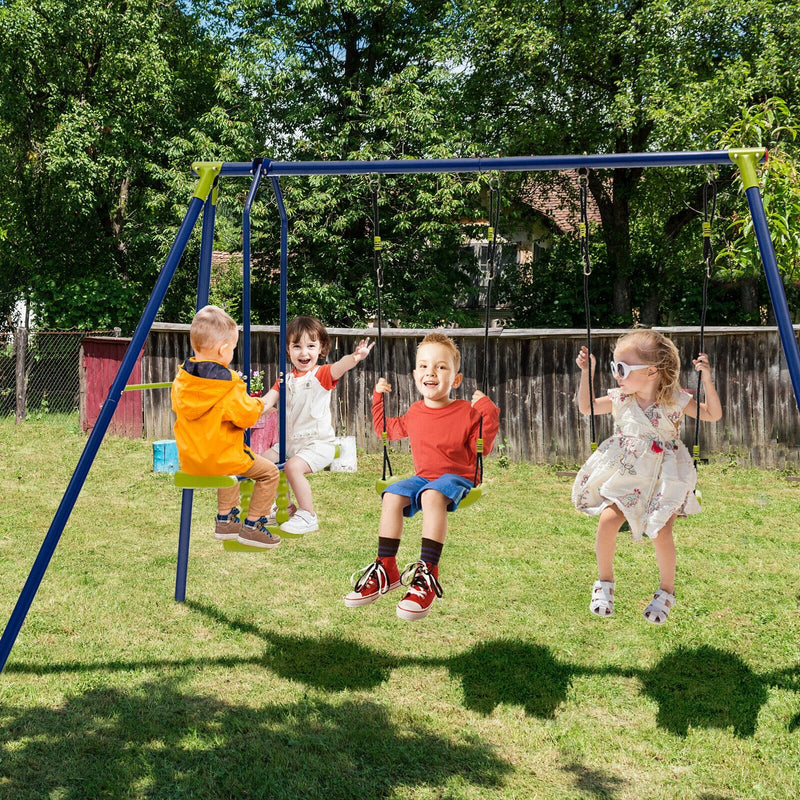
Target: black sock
387,548
431,551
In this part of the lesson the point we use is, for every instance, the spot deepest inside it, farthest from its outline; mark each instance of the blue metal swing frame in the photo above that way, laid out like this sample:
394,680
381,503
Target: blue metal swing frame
204,200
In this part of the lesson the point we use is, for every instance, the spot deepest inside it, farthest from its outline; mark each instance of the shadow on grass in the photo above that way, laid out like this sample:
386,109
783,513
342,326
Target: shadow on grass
514,673
705,688
595,782
157,741
702,687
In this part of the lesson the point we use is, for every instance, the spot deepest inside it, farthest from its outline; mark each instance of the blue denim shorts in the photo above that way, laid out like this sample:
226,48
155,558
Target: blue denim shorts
454,487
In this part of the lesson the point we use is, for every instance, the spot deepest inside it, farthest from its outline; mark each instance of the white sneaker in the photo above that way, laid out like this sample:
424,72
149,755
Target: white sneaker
302,522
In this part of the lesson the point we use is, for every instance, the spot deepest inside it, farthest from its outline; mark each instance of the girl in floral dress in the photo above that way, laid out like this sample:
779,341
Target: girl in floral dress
643,473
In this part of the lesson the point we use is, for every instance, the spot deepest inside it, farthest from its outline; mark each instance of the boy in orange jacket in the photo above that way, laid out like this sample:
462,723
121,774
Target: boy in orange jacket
213,411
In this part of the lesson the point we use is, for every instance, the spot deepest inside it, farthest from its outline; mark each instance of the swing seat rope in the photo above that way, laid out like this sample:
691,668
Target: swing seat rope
709,211
494,217
583,235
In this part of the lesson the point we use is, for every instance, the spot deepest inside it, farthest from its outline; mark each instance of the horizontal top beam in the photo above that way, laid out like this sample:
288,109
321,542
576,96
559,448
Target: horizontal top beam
507,164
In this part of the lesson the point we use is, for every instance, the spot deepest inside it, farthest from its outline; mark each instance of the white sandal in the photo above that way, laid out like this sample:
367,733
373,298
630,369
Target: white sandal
660,606
602,604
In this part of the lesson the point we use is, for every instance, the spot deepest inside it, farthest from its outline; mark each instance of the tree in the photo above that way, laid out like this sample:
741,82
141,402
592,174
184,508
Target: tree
773,126
626,77
357,80
102,108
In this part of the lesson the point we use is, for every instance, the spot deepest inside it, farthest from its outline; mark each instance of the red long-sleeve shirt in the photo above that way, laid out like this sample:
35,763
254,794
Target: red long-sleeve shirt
442,439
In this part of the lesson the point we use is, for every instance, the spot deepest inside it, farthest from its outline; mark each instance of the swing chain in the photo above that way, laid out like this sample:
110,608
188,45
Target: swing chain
494,223
377,258
377,244
583,225
709,191
709,211
583,232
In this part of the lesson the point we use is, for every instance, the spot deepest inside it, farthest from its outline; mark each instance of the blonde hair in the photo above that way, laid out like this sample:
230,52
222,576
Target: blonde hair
210,326
447,342
654,348
313,328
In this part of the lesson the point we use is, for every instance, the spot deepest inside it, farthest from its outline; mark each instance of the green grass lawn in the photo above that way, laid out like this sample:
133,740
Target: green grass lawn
263,685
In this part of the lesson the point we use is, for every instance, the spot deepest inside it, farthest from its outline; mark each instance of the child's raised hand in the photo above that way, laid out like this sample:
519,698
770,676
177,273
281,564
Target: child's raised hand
383,386
476,395
583,358
702,364
363,349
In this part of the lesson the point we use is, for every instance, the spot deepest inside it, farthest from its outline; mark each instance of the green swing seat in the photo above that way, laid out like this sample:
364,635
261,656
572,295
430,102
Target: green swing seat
183,480
471,497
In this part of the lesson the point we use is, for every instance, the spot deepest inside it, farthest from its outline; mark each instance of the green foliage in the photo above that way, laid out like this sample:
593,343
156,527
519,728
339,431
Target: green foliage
775,127
102,108
226,288
630,77
363,81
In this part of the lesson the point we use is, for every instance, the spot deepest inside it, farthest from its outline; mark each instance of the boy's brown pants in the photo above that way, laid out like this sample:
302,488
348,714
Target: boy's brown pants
266,476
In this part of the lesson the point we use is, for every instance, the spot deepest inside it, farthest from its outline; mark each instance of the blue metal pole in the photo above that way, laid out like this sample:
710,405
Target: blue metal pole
251,196
283,311
775,286
506,164
98,432
206,248
184,536
203,290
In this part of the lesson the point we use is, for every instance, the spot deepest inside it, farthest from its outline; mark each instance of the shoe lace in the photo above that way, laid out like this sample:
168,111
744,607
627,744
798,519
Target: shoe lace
231,516
420,580
260,525
375,572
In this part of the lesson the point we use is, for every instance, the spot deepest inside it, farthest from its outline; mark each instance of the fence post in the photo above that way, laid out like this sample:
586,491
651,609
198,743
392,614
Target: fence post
21,348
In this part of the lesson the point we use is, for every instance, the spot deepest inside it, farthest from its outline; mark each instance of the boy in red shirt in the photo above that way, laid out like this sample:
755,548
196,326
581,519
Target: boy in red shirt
213,410
443,433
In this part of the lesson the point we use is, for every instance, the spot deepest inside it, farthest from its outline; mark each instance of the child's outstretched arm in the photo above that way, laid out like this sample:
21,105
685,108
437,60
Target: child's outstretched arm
395,426
347,363
711,409
600,405
271,401
490,414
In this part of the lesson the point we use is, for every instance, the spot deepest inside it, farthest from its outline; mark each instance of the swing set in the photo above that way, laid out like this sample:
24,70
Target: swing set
708,213
387,477
204,200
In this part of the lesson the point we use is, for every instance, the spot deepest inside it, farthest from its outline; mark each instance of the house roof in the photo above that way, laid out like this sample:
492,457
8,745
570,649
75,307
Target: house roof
558,201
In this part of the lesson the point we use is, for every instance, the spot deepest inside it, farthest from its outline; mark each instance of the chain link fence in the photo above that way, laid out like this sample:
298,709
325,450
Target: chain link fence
40,370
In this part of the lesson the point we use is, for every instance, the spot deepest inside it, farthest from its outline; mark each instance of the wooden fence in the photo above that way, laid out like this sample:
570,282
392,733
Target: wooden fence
533,379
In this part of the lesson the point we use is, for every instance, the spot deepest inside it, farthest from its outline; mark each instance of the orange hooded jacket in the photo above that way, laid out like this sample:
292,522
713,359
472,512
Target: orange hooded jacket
213,410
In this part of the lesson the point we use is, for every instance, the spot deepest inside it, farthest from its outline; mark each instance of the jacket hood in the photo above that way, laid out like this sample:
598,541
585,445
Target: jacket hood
201,385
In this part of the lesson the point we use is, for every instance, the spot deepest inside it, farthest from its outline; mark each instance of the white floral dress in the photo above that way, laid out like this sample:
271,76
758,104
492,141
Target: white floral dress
643,468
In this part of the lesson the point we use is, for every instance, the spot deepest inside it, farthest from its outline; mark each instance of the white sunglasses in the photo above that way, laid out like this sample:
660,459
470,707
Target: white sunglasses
621,370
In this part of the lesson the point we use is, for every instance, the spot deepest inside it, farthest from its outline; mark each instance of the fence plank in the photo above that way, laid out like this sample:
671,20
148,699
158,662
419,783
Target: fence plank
534,380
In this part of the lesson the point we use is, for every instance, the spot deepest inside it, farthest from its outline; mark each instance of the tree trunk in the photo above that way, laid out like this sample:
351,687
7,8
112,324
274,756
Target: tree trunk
748,293
648,315
615,214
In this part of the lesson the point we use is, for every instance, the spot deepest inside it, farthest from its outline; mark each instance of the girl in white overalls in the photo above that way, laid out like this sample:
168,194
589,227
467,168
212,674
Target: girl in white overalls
310,445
